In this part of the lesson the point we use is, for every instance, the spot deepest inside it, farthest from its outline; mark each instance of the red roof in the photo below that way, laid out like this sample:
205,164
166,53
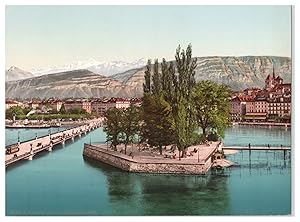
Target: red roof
247,98
11,102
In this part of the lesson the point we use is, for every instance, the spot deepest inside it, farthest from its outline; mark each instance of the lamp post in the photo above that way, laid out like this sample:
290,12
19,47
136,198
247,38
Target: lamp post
198,154
49,132
36,136
18,137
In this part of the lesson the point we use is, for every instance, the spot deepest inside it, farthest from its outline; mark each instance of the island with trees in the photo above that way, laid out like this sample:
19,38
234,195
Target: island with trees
178,119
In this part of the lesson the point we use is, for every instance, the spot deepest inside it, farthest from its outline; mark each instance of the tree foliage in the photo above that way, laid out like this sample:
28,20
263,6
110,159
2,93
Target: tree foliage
174,106
122,125
147,84
183,83
158,124
211,101
113,126
130,125
168,111
17,111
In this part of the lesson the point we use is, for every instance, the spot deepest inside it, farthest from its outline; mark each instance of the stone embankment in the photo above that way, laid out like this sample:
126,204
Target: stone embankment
200,164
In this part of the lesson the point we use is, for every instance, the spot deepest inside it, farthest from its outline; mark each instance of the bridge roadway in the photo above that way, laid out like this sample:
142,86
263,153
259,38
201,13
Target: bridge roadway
29,148
257,148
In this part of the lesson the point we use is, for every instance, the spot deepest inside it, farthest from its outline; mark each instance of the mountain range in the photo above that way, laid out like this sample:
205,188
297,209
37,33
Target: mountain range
98,67
14,73
237,72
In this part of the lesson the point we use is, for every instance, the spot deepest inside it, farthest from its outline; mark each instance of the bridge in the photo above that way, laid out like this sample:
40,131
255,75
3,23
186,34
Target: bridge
259,148
27,149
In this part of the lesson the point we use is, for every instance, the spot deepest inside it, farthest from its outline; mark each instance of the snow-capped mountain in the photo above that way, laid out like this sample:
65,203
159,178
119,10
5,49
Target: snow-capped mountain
14,73
98,67
237,72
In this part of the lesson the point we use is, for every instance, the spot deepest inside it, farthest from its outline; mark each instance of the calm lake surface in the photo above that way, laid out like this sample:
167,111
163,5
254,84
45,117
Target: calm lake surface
62,182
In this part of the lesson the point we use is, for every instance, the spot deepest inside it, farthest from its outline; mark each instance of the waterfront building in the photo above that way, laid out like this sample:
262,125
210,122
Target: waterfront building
11,103
260,104
34,104
86,105
78,103
54,104
249,103
120,103
100,106
279,105
235,108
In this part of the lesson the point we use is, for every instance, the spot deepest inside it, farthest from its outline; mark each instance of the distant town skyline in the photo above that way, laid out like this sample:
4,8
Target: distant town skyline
43,36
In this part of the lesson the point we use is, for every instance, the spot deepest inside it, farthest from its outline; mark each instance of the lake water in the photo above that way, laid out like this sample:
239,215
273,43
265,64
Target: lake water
62,182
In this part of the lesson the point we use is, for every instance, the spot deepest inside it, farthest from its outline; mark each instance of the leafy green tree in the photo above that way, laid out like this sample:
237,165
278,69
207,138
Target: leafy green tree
76,110
16,110
211,101
158,123
130,124
113,126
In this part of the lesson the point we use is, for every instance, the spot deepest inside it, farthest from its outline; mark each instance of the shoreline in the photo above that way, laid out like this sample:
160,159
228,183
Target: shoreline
268,124
46,125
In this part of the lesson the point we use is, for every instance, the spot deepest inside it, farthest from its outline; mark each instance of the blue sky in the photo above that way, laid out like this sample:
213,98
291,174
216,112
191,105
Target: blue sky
38,36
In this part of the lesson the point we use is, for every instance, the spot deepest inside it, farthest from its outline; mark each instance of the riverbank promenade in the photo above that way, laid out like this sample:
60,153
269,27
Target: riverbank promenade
27,149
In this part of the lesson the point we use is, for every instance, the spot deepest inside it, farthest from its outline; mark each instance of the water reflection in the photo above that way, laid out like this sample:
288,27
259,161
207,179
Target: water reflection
156,194
256,135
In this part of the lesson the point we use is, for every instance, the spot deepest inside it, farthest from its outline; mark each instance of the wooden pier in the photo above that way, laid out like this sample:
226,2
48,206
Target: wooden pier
27,149
259,148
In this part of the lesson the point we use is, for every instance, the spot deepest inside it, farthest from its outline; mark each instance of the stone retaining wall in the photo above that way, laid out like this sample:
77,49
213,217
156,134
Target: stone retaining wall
134,165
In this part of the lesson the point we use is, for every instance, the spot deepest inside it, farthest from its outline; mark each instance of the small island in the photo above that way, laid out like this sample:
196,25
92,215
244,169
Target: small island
165,126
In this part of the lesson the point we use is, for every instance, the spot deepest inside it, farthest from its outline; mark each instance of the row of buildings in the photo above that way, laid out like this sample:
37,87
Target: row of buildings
267,104
97,106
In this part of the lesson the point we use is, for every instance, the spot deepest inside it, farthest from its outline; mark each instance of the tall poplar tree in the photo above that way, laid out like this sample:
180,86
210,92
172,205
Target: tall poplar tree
147,84
182,104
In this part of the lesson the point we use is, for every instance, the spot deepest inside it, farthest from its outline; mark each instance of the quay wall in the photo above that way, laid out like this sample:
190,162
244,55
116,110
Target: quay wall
142,166
270,124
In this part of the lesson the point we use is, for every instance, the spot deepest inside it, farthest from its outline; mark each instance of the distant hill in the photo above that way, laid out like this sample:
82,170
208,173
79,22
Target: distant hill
237,72
14,73
78,83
